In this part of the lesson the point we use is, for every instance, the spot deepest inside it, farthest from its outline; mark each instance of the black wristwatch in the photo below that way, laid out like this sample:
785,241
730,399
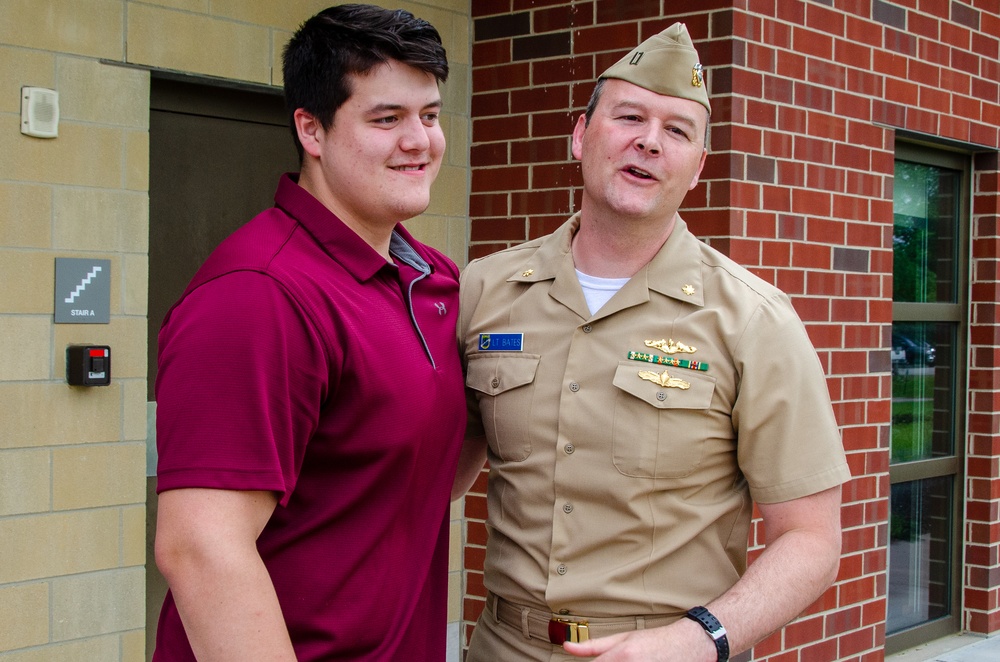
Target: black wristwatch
713,627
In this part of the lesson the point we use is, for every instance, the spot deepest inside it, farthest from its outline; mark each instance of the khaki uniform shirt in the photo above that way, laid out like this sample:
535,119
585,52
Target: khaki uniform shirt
613,495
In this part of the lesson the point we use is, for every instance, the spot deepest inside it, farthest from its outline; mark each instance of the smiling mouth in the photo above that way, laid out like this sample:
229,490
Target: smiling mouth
641,174
408,168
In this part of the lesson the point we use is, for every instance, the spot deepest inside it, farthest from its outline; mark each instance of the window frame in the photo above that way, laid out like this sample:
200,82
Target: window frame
952,465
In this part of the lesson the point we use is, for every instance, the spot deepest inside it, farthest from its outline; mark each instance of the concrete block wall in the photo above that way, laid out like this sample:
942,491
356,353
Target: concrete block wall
72,459
809,98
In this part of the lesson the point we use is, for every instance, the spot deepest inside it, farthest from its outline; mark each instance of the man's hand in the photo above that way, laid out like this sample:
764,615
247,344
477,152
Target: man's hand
470,463
683,641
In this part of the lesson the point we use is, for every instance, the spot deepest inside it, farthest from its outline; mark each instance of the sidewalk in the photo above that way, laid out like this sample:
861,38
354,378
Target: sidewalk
957,648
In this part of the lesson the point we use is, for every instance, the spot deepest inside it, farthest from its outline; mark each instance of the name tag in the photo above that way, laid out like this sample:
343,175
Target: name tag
501,342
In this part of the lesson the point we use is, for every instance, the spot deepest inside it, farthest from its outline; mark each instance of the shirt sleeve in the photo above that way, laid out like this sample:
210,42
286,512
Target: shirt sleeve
241,379
788,441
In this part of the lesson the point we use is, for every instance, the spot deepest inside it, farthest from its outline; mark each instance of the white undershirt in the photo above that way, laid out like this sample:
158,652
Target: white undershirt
597,291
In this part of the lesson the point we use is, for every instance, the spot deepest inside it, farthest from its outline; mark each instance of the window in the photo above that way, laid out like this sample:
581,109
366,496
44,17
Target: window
930,207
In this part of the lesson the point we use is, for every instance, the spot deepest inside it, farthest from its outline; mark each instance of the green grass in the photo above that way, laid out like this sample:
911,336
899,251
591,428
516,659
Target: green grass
912,417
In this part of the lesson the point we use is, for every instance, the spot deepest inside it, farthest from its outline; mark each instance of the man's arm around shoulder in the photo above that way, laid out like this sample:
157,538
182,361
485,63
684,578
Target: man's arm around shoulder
470,463
206,549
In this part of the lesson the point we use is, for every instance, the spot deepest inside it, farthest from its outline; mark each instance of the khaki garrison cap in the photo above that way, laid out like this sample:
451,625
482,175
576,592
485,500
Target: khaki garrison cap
667,64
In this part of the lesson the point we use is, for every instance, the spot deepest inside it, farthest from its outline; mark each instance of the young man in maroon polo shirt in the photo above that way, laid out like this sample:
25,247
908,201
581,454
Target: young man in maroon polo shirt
310,396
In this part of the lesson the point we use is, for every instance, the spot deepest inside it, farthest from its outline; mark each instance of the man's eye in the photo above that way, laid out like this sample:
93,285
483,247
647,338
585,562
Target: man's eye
431,118
385,120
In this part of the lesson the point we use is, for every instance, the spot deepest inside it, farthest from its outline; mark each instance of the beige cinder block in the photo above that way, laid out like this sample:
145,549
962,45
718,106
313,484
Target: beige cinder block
199,44
24,613
52,545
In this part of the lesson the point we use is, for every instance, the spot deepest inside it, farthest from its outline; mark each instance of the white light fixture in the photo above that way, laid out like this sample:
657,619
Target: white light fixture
39,112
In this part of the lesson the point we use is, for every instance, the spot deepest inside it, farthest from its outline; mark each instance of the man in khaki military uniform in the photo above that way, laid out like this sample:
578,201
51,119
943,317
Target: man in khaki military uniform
635,392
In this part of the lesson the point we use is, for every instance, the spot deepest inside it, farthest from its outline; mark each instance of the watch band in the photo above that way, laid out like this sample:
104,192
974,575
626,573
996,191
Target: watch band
713,627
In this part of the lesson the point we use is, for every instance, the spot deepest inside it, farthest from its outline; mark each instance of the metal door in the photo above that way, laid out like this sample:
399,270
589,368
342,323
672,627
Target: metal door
215,156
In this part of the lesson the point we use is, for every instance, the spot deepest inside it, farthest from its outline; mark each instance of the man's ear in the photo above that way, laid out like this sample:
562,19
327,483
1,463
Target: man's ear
309,130
578,131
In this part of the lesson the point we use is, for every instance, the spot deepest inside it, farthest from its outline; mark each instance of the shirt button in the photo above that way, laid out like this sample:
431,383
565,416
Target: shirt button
561,568
564,612
568,508
569,448
661,396
495,383
574,387
588,329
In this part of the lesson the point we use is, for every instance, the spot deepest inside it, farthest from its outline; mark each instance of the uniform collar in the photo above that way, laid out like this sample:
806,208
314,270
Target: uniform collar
339,241
675,271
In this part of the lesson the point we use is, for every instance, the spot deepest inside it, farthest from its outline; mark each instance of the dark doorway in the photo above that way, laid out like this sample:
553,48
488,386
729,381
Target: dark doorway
215,156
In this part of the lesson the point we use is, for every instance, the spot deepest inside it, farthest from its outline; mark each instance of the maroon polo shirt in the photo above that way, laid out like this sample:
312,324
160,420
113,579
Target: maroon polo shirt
299,361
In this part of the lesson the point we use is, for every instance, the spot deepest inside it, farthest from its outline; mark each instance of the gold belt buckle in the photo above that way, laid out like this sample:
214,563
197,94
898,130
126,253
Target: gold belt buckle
562,629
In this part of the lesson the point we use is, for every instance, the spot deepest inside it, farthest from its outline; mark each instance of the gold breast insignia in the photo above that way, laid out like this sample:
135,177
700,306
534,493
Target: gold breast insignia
671,347
664,379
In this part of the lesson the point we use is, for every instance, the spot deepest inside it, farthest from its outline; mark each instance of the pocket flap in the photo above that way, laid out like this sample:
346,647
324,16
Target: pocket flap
495,373
697,395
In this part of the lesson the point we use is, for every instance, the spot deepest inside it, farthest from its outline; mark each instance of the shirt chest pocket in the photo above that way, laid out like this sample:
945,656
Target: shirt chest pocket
504,386
660,419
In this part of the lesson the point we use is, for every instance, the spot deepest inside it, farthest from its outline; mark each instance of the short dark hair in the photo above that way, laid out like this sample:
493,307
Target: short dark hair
594,98
350,40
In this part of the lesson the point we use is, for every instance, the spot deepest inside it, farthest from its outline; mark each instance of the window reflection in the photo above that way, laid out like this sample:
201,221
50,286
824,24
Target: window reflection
919,552
922,390
924,244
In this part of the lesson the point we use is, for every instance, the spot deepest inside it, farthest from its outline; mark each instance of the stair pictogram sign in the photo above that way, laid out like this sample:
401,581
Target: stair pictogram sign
83,291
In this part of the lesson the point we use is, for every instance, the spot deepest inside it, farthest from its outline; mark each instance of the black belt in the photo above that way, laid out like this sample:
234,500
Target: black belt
557,628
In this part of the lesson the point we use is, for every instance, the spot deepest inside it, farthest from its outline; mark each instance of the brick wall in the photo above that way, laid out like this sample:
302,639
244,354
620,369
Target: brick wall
982,508
807,98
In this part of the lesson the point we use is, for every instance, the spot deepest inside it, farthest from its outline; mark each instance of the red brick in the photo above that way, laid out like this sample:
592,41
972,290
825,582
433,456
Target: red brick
630,10
491,104
532,4
554,124
500,128
806,201
761,114
499,179
562,70
540,98
499,229
477,250
490,204
760,57
501,76
535,202
856,642
540,150
616,39
491,53
812,43
560,175
490,7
